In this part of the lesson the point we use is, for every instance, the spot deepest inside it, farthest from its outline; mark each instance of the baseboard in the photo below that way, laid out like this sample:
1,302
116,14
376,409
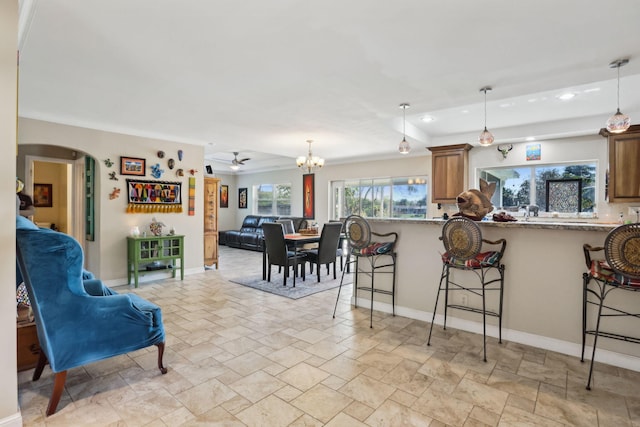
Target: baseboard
151,276
559,346
14,420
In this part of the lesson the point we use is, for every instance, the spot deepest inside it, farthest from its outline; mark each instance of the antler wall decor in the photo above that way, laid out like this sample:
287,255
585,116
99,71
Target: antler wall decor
504,149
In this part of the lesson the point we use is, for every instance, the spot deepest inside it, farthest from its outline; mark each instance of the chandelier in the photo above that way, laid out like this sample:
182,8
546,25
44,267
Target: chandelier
310,162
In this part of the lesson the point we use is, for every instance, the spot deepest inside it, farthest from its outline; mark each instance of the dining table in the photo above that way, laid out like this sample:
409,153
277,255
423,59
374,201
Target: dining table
295,240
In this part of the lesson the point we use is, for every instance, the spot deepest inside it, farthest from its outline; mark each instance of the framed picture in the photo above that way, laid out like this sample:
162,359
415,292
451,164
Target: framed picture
224,196
154,196
242,198
308,196
43,195
132,166
564,195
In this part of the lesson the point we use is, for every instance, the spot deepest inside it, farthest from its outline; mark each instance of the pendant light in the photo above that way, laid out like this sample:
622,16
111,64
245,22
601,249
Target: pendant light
486,138
404,146
619,122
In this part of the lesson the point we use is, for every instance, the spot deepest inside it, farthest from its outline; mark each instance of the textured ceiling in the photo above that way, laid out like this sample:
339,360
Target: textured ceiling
261,77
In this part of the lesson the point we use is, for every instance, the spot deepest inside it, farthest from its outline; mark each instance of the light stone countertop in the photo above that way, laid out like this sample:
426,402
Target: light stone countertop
570,225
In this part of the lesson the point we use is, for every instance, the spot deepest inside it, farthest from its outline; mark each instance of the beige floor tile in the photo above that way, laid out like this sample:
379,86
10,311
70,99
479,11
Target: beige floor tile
321,402
443,407
205,396
344,420
481,395
269,412
303,376
257,386
367,390
240,357
573,413
391,414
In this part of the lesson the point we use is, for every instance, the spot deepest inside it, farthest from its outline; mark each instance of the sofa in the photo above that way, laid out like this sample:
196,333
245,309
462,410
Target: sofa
250,234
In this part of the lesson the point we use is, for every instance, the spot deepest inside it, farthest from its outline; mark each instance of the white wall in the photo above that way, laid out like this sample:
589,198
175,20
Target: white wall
106,256
9,413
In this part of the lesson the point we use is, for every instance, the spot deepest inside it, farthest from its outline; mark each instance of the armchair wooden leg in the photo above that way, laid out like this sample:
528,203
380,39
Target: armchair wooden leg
42,361
58,387
160,356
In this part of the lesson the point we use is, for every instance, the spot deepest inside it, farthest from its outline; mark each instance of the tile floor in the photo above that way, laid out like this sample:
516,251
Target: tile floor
241,357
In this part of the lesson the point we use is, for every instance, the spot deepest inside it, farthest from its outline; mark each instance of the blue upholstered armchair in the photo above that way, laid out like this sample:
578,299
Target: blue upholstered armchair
78,321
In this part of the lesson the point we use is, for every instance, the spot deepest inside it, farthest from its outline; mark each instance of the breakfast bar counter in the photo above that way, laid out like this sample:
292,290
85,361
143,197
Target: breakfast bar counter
543,282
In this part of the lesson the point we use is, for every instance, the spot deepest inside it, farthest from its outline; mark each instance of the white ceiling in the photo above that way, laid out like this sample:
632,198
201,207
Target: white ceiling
261,77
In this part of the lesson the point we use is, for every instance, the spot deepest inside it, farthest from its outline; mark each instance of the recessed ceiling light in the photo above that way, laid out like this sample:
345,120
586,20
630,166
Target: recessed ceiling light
530,138
532,100
507,105
427,119
464,111
566,96
593,89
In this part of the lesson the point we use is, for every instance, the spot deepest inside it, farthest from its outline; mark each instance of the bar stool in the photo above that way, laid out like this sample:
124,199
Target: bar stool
620,270
380,255
463,244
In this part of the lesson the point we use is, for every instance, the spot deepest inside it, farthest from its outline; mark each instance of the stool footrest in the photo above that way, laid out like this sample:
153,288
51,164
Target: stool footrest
380,291
473,310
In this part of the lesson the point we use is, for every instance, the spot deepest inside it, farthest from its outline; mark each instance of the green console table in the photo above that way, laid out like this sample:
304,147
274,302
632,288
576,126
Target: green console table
154,253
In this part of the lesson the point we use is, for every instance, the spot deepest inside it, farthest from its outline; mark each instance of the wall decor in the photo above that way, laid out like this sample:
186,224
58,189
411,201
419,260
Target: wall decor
564,195
108,163
180,154
242,198
112,176
132,166
192,196
308,196
156,172
224,196
161,154
171,163
154,196
533,152
43,195
114,194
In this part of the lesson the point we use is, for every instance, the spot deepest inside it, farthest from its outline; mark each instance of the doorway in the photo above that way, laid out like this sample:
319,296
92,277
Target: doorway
59,184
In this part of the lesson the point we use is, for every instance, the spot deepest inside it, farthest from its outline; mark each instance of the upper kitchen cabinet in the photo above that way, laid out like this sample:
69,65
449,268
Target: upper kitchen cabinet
624,165
449,172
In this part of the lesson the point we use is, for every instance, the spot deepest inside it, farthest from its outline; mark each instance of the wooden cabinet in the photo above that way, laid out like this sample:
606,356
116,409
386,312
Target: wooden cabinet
211,189
449,172
28,346
151,254
624,165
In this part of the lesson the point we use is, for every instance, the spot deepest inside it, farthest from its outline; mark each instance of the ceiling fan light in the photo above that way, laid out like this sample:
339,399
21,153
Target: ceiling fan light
404,146
618,123
234,167
486,138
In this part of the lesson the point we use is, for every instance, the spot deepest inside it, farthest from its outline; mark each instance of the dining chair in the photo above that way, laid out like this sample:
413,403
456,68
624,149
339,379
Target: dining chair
618,271
278,253
326,253
463,244
287,225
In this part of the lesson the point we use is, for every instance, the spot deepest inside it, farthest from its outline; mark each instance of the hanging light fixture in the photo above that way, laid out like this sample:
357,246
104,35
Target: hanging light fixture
404,146
486,138
310,162
619,122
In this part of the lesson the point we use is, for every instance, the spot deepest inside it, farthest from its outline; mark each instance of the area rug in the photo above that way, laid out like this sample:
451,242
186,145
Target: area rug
303,289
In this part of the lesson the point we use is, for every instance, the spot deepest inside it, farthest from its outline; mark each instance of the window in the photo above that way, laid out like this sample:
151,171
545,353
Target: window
536,185
404,197
272,199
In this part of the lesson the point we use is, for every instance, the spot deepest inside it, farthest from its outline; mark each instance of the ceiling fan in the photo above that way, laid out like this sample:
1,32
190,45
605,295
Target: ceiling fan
236,163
